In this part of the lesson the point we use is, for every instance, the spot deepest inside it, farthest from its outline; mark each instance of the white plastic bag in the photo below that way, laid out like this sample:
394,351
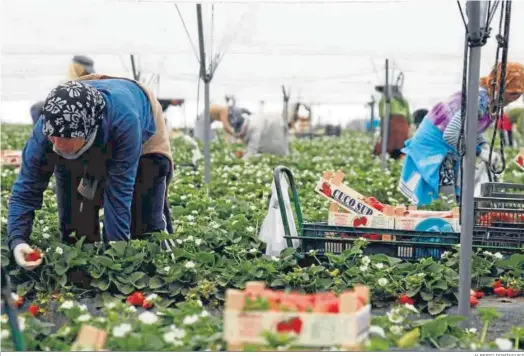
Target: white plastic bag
272,229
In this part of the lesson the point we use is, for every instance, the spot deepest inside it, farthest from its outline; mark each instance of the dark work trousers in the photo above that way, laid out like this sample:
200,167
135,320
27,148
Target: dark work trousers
149,210
510,138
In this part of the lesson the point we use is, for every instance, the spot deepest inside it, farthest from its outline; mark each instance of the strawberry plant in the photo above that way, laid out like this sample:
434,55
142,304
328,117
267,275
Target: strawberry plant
217,247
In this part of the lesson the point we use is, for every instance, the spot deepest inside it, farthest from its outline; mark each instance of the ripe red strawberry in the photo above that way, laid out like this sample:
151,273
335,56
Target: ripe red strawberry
33,309
473,301
512,293
283,327
295,325
479,294
33,256
378,206
136,299
404,299
146,305
520,161
333,307
496,284
500,291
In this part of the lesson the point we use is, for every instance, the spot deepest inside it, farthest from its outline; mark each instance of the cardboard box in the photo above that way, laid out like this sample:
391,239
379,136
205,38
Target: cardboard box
11,158
90,338
348,328
519,159
352,220
357,213
330,186
399,221
409,224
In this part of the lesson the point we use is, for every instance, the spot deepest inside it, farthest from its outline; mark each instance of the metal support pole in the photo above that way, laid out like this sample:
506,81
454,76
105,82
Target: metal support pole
386,120
372,113
285,114
206,78
136,75
468,186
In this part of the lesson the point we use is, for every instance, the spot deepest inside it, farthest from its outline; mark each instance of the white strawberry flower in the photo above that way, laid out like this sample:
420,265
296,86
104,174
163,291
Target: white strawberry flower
122,330
21,323
395,329
68,304
504,344
190,319
148,318
84,317
4,334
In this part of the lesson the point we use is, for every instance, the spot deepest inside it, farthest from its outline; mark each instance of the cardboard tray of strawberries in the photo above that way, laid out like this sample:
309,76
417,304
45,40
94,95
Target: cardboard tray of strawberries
11,158
311,320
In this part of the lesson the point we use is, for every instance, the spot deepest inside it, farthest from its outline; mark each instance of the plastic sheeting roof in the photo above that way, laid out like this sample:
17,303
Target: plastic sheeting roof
329,53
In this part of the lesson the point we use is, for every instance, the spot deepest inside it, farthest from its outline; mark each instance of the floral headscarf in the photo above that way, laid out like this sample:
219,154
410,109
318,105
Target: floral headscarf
514,78
73,110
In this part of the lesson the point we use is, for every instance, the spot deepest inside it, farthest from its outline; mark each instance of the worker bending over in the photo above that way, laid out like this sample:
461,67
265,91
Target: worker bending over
106,142
265,133
432,164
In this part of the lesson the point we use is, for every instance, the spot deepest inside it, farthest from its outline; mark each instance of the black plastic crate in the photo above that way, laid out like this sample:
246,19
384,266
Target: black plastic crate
408,245
502,190
499,212
499,222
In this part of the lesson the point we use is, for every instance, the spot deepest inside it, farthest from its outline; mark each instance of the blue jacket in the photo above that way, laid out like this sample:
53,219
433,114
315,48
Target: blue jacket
128,123
425,153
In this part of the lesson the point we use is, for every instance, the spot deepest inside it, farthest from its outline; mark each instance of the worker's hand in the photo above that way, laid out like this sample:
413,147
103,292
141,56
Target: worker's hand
495,156
22,253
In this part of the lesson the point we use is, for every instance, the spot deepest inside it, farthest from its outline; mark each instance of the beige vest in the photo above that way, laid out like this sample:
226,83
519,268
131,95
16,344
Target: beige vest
159,142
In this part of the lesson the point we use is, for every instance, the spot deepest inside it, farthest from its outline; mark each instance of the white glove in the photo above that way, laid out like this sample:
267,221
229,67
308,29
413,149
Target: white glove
20,253
495,157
